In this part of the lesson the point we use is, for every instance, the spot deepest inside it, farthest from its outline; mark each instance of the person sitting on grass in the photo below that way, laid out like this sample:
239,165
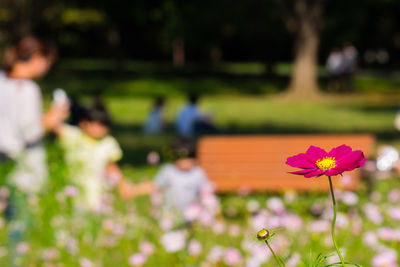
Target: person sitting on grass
155,122
92,154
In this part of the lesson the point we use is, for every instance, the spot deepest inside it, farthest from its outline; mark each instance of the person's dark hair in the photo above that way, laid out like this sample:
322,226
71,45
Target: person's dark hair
159,102
193,99
25,48
181,149
97,113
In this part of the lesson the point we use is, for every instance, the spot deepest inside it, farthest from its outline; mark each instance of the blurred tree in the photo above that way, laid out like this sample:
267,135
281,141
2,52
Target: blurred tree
303,19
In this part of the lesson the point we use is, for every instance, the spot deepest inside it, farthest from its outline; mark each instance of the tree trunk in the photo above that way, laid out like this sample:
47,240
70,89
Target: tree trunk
178,52
304,75
304,19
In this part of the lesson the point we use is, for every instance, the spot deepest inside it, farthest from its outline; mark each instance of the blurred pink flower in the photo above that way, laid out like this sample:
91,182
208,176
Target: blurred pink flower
72,246
192,212
50,254
22,248
370,238
349,198
244,191
342,221
394,195
219,227
317,209
234,230
84,262
194,247
252,205
146,248
206,218
275,204
232,257
318,226
386,233
4,192
259,252
137,259
108,225
274,222
174,241
153,158
210,202
71,191
290,196
166,222
292,222
215,254
260,220
387,258
119,229
253,262
372,213
294,260
394,213
156,198
316,161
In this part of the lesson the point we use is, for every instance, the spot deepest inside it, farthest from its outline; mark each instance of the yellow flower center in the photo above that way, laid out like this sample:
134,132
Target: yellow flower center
326,163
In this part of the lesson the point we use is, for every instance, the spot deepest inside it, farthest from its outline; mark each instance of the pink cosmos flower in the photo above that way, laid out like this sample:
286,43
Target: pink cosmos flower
195,248
146,248
386,258
174,241
137,259
232,257
316,161
84,262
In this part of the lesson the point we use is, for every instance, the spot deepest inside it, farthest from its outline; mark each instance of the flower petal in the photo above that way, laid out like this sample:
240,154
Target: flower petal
334,171
300,161
303,172
339,152
314,173
316,153
352,160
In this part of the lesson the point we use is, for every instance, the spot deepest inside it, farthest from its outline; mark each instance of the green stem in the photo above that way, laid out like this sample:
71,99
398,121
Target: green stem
333,223
278,260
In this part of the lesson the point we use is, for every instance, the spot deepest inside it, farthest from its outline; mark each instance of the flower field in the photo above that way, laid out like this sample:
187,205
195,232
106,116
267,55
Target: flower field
222,230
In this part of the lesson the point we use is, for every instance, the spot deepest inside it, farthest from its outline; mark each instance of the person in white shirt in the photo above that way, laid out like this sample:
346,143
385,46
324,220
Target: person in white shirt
22,123
22,126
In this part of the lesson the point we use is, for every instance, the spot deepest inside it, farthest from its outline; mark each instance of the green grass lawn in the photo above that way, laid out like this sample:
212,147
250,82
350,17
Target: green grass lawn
240,98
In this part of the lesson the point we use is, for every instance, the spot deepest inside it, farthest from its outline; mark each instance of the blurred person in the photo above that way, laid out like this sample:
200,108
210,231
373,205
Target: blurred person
22,123
349,65
182,180
181,183
155,121
191,121
92,154
334,66
22,127
350,57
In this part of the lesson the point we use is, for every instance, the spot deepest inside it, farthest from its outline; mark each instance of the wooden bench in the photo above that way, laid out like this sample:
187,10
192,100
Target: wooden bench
258,163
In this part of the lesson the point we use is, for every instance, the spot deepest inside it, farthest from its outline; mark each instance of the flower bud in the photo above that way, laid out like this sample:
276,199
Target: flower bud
263,234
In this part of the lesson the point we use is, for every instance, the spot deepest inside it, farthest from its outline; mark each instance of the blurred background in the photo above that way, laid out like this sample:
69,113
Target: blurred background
257,67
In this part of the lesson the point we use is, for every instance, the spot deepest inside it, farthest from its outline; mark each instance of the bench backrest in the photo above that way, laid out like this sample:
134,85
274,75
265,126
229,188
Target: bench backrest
257,163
